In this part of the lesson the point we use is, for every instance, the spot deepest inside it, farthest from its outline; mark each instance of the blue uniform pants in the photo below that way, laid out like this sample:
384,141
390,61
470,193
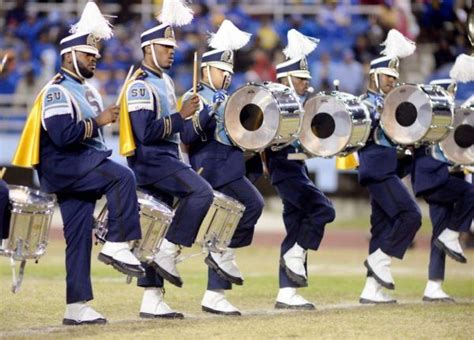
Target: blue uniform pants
306,211
451,206
395,217
77,204
243,191
195,197
4,210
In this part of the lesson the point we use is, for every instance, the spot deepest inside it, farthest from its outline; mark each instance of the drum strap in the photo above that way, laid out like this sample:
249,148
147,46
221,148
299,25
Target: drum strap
16,283
263,157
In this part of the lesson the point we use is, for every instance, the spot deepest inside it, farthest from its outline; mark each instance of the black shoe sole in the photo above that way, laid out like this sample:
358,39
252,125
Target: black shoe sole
452,254
174,280
388,285
174,315
222,274
301,281
441,300
372,302
218,312
127,269
69,322
306,306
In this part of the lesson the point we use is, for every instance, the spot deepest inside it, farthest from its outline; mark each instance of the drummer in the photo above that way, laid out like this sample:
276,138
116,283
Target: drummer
156,124
395,216
222,163
74,164
4,211
306,210
451,202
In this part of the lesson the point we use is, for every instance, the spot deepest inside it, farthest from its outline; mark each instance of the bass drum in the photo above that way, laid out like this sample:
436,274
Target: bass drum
335,124
257,116
458,146
417,114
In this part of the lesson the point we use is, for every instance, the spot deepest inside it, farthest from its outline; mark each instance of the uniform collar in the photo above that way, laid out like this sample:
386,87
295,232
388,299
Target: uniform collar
68,74
150,71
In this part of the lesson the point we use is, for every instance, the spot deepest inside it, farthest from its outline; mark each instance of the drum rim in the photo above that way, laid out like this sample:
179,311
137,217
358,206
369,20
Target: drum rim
51,198
153,199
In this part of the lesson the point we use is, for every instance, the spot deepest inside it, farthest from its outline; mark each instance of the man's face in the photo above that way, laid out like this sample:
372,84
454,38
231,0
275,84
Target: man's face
301,85
86,62
164,55
220,79
386,83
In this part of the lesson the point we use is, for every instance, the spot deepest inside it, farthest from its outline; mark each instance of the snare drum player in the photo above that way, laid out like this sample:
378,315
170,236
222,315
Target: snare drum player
451,203
156,161
395,217
222,163
73,163
4,212
306,210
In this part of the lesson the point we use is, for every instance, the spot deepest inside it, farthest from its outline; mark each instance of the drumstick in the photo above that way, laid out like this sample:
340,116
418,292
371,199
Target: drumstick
4,61
129,75
200,170
2,172
195,73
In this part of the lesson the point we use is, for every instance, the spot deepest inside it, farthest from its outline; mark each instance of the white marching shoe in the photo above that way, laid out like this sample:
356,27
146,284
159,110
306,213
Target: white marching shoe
79,313
164,262
434,292
373,293
288,299
215,302
154,306
225,266
448,241
293,263
378,263
118,255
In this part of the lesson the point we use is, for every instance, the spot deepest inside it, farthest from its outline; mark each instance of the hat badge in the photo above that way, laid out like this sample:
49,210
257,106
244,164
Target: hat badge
304,64
92,40
227,56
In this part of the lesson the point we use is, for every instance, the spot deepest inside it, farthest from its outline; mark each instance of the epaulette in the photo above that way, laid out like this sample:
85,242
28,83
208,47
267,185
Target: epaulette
58,78
199,87
140,74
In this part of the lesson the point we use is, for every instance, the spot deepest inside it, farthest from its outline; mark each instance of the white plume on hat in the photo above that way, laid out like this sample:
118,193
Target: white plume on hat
175,13
463,69
397,45
228,37
299,45
92,21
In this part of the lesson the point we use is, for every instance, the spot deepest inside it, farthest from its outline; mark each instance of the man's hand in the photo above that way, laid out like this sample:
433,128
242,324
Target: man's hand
219,97
109,115
190,106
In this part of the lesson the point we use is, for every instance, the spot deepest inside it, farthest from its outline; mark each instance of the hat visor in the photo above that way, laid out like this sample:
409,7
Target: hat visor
300,74
220,65
387,71
87,49
165,42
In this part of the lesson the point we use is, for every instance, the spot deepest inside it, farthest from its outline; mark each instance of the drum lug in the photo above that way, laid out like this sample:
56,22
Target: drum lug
434,126
449,127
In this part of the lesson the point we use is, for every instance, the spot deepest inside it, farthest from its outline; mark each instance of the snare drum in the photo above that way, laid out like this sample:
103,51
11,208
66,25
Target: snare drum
335,124
155,219
31,214
218,226
257,116
417,114
458,146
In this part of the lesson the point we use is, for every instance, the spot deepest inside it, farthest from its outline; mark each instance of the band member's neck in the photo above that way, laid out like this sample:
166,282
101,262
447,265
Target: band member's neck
151,67
71,73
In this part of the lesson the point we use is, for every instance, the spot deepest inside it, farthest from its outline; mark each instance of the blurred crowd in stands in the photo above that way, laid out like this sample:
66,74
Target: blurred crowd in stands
348,41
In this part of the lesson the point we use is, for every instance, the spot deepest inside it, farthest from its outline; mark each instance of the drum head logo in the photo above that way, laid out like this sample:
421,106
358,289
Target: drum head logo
227,57
303,64
169,33
92,40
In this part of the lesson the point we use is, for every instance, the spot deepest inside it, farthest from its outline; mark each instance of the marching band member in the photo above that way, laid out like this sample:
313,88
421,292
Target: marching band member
4,211
306,210
150,108
223,164
73,163
395,217
450,200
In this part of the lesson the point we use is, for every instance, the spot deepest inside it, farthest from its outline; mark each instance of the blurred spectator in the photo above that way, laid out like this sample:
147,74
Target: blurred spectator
10,76
267,37
444,54
349,72
262,68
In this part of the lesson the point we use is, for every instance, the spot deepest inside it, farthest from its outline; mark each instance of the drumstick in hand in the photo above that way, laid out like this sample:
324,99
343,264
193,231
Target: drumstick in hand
2,172
195,72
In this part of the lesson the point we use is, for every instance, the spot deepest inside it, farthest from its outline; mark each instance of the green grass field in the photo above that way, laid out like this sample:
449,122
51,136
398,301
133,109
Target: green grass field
336,280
